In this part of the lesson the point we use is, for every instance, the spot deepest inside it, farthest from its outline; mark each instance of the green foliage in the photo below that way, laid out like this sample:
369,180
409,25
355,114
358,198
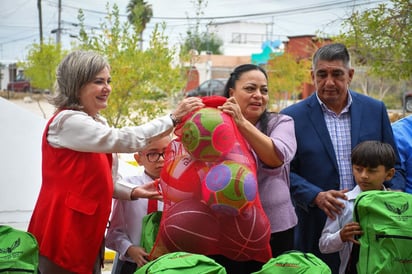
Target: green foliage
393,101
142,81
202,42
199,40
286,75
139,14
381,38
41,64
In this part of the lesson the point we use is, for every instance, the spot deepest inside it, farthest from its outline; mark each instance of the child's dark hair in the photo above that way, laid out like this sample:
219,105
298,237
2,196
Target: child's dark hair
372,154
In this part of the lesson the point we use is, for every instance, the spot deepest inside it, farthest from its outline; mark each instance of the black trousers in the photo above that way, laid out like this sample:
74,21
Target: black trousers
279,243
124,267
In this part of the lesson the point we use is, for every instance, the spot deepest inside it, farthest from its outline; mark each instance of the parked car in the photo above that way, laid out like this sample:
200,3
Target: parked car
20,85
408,101
23,84
208,87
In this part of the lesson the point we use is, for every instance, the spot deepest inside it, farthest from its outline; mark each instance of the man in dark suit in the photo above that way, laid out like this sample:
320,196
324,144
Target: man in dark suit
328,124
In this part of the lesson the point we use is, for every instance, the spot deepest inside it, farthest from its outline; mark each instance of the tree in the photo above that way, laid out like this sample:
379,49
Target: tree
380,40
143,81
209,42
139,15
41,64
199,40
40,67
286,75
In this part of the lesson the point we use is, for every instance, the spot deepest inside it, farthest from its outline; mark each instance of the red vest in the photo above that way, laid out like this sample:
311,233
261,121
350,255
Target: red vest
73,207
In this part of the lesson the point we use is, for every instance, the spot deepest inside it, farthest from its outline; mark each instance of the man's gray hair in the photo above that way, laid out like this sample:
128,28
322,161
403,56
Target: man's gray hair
332,52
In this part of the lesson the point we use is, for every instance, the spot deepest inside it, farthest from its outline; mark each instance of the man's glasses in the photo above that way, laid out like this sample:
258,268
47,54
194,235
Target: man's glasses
154,156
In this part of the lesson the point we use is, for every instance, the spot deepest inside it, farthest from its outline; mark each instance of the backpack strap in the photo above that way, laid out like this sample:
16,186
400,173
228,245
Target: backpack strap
353,260
151,206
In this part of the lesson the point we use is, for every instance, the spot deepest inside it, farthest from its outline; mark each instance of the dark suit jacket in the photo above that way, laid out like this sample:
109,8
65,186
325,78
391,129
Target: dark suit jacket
315,167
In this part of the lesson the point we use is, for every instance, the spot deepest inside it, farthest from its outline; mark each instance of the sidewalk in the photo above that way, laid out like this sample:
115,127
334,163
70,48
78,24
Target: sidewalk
41,107
108,257
107,268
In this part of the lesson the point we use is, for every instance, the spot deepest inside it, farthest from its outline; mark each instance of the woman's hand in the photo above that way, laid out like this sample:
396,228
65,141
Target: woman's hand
232,108
149,190
187,106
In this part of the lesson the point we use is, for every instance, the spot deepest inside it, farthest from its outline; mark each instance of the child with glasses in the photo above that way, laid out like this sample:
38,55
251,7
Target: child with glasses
125,229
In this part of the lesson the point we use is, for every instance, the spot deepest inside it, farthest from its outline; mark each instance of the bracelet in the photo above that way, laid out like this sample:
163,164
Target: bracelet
174,119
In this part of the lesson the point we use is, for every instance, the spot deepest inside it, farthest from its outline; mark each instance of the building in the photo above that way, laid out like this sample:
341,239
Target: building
8,72
251,42
241,41
242,38
303,47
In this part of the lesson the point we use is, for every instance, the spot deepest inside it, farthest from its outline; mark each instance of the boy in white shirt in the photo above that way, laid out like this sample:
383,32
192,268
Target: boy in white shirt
125,229
373,163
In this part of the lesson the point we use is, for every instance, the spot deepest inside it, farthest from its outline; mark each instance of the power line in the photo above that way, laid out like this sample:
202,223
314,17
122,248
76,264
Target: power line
310,8
18,39
222,19
173,20
298,10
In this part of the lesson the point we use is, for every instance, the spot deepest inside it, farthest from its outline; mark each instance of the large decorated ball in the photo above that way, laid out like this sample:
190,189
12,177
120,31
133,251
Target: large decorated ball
208,134
181,178
229,187
246,236
189,226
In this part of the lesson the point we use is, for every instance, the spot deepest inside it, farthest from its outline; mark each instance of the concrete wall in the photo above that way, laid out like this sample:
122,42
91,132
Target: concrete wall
20,162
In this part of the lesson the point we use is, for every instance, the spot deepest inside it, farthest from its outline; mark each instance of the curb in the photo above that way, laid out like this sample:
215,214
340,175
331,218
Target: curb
109,255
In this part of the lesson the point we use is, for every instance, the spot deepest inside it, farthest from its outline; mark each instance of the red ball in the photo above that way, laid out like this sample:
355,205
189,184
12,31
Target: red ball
181,178
190,226
246,236
208,134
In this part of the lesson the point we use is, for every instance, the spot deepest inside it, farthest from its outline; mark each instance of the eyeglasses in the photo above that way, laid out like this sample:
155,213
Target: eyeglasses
154,156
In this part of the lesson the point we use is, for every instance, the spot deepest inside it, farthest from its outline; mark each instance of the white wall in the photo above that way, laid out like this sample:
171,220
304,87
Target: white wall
5,78
20,162
5,73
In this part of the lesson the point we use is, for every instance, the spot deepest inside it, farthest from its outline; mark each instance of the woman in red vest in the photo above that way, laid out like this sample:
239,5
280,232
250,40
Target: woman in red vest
79,166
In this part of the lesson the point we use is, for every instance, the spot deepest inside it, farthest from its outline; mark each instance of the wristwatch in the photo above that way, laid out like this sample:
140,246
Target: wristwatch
174,119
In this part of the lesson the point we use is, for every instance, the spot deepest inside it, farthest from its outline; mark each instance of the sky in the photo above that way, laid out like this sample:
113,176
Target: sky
19,19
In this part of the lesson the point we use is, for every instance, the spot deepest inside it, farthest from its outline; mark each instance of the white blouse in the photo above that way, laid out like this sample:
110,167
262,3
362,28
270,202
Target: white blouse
78,131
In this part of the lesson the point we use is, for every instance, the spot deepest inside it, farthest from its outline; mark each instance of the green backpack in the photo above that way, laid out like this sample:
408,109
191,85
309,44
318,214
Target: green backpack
182,262
19,251
150,227
295,262
385,218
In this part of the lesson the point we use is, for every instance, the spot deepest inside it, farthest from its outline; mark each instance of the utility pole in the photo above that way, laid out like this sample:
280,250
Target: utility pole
40,22
59,29
271,28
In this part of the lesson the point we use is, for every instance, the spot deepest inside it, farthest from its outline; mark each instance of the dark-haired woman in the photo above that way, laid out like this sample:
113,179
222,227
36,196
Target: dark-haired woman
272,139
